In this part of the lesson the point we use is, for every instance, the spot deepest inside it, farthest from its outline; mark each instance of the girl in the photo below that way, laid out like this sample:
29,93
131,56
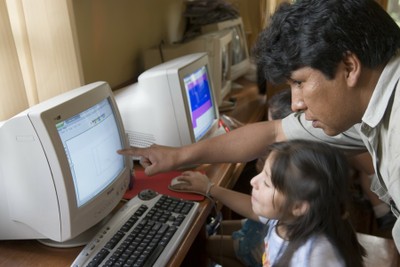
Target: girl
302,195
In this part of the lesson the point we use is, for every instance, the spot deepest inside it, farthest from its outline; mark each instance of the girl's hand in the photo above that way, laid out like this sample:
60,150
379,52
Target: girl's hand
194,181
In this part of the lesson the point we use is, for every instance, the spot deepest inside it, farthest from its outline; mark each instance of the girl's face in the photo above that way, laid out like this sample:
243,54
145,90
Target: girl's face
265,199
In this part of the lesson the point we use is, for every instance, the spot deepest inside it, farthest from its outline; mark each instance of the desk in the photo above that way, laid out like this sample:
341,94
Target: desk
250,107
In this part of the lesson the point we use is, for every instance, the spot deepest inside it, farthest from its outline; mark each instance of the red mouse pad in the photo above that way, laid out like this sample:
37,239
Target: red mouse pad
158,183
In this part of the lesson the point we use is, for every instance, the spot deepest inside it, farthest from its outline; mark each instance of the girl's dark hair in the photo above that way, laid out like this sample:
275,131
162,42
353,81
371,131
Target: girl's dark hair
317,173
318,34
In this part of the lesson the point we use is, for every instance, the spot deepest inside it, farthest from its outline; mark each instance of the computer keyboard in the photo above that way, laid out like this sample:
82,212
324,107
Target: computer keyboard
141,233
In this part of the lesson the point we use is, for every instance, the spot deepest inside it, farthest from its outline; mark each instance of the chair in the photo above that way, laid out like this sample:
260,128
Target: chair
381,252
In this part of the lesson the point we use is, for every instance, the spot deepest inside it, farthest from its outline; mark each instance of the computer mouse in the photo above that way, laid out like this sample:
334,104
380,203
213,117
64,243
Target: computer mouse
147,194
176,182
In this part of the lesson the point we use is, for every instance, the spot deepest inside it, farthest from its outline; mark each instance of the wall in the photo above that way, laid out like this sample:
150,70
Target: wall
112,34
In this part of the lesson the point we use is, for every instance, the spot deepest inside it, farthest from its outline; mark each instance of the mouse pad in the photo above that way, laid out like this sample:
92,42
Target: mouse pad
158,183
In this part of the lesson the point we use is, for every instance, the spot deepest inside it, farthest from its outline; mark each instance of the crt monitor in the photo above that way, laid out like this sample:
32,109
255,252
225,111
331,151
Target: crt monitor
240,58
172,103
218,47
60,173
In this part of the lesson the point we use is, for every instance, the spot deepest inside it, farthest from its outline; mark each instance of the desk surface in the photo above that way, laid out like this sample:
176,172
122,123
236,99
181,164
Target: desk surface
250,107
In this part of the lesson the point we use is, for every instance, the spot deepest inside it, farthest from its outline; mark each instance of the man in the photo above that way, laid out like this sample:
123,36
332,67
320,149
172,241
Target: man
340,58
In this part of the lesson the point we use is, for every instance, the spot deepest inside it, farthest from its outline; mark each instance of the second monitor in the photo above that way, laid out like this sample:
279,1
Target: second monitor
172,104
240,58
218,47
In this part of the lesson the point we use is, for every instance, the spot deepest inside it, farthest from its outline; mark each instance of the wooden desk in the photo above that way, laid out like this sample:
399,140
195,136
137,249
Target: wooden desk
250,108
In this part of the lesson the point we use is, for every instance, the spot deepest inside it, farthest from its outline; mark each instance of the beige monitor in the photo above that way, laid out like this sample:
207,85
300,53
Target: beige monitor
240,58
218,47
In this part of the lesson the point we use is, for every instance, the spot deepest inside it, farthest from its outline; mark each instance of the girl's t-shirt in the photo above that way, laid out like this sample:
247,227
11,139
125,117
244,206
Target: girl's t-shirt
317,251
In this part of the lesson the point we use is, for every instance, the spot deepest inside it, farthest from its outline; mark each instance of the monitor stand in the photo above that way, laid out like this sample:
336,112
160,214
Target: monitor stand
80,240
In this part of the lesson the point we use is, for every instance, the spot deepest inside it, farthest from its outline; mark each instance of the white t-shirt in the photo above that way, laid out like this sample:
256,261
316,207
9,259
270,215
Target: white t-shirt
316,252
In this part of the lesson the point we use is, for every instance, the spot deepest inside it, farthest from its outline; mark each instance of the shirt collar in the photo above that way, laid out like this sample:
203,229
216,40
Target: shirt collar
380,97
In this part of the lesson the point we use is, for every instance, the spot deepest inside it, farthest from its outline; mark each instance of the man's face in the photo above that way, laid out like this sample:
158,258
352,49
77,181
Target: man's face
329,104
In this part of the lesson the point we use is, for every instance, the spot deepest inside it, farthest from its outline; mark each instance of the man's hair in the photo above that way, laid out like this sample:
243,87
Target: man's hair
318,34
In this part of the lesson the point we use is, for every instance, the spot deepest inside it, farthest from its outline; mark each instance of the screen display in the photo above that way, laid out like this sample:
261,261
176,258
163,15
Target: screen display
238,45
91,139
200,101
225,64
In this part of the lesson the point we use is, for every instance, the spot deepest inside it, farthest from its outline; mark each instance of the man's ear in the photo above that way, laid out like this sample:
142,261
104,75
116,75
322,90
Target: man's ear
352,66
300,208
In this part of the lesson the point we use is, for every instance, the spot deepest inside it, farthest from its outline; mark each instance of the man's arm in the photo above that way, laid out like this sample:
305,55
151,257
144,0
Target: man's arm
240,145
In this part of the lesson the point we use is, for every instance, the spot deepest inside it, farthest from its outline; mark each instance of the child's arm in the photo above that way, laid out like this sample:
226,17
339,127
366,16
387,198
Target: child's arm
238,202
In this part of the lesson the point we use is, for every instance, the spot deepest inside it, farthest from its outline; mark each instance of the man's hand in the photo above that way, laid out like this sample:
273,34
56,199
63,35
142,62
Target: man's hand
154,159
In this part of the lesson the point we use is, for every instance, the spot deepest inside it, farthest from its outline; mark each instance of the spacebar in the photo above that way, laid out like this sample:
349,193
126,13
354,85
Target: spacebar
154,256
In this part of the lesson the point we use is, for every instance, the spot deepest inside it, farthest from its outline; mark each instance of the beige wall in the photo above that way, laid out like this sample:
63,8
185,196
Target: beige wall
112,34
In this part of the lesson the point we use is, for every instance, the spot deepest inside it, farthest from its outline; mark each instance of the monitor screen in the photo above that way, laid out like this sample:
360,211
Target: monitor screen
93,164
172,104
226,80
72,176
198,91
239,46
